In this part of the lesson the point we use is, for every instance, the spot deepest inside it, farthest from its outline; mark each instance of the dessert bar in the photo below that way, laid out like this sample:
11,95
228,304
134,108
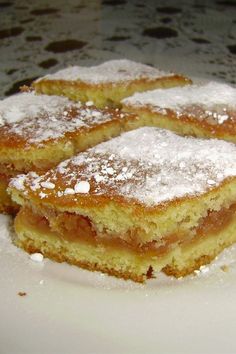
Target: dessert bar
206,111
108,83
39,131
146,201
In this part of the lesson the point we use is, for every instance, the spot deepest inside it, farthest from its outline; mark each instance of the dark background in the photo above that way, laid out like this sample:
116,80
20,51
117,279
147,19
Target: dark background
197,38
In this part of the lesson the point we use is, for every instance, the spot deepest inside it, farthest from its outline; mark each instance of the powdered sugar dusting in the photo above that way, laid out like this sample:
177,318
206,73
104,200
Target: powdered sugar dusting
211,101
149,165
29,105
38,118
110,71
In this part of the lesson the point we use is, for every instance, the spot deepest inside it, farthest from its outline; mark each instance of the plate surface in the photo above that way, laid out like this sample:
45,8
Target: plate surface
70,310
67,310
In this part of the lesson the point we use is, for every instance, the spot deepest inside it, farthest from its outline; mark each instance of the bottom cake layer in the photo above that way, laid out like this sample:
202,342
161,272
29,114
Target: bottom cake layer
34,235
7,206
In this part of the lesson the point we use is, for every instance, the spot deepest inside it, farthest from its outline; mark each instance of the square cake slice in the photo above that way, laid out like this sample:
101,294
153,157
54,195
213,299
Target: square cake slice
39,131
108,83
206,111
146,201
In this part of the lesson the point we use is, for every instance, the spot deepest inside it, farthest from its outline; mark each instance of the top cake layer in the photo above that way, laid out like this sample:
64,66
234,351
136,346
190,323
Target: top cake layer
28,118
112,71
148,166
214,102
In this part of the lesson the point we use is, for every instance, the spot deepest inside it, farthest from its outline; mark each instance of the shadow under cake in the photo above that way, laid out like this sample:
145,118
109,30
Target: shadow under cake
140,203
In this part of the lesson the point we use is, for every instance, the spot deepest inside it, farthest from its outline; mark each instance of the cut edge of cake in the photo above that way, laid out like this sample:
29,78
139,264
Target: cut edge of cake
170,235
204,111
39,131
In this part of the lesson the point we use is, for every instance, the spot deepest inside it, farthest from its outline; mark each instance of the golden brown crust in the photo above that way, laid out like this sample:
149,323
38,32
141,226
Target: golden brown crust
41,239
80,85
110,197
12,140
187,122
60,258
109,93
197,263
18,155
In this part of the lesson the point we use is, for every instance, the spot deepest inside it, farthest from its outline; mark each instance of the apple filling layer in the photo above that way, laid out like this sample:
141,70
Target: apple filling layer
76,228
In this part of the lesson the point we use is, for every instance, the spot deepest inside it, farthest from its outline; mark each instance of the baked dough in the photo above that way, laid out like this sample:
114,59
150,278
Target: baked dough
140,203
108,83
205,111
39,131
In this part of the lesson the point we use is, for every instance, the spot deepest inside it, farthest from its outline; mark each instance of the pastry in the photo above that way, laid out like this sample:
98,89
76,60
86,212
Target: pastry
206,111
146,201
39,131
108,83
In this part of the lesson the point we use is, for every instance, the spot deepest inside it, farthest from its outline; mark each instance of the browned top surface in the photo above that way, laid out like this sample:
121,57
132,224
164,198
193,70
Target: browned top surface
52,126
211,106
149,167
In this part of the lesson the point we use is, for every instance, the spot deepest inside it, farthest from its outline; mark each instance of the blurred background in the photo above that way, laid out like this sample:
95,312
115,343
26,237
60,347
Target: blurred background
194,37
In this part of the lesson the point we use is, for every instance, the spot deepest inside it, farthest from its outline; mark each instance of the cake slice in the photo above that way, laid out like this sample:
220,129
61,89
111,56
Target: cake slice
108,83
140,203
39,131
207,111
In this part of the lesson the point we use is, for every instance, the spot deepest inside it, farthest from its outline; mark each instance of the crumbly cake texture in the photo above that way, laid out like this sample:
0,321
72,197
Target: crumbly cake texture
107,83
146,201
39,131
204,111
7,206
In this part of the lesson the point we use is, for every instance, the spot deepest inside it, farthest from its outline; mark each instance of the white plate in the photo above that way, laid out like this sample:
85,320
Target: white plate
68,310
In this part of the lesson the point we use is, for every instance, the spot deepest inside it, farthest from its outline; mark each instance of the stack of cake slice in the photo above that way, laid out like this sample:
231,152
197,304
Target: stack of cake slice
146,201
39,131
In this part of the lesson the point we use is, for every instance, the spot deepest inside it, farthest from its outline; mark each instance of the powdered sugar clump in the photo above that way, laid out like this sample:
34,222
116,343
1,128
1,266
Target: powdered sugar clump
110,71
211,100
82,187
149,165
48,185
20,182
36,257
